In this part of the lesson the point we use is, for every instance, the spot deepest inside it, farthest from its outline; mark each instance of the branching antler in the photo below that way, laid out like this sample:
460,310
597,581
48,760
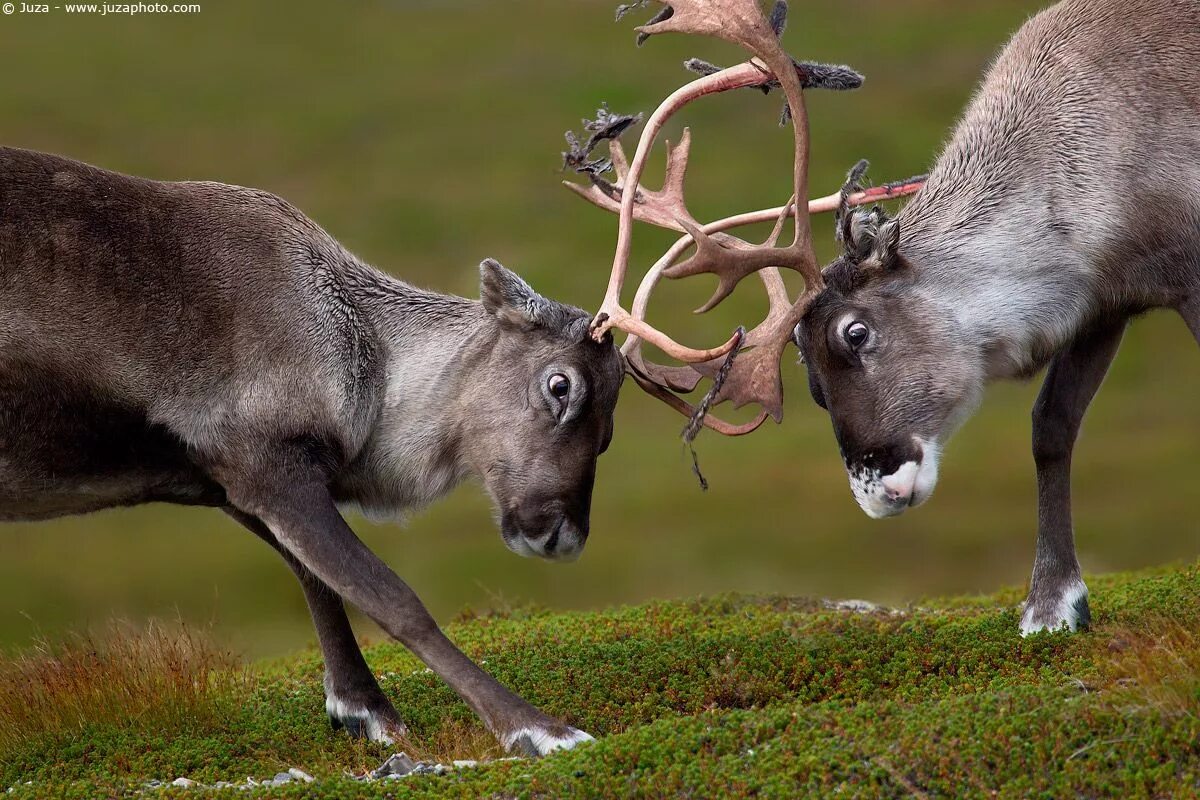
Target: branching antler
755,375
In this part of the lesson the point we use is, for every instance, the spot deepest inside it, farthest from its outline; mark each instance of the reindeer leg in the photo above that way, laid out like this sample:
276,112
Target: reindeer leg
298,510
1057,594
353,698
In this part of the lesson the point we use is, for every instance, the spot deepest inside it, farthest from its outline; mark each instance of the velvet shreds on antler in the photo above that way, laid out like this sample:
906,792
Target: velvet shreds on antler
745,369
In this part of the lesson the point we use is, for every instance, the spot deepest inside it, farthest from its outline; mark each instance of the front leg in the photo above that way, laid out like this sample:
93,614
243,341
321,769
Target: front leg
300,513
1057,594
353,699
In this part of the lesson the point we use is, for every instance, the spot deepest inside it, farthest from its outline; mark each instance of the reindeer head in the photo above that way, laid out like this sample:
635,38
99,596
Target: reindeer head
889,367
538,415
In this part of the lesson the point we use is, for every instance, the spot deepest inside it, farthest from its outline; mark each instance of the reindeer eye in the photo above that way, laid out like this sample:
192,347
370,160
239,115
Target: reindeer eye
559,386
856,334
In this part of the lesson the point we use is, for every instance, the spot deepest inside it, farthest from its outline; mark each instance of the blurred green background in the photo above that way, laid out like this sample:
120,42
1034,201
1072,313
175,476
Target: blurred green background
425,135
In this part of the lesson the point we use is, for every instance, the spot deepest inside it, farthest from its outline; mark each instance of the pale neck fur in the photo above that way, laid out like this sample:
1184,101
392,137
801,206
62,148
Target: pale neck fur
1017,289
414,454
1006,231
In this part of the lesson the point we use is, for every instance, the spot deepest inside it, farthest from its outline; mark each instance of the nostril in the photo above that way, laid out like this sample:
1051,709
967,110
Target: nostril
552,543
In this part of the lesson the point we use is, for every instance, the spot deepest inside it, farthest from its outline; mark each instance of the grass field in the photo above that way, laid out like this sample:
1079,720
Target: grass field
425,135
730,696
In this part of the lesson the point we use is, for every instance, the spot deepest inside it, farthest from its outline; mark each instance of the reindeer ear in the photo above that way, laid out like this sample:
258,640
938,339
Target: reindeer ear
858,231
886,248
508,298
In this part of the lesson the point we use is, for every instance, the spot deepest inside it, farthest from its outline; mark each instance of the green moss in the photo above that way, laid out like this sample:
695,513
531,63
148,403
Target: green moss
725,696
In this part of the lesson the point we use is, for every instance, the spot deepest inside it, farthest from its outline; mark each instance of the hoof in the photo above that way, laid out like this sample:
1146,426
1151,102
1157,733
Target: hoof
534,742
1066,610
383,726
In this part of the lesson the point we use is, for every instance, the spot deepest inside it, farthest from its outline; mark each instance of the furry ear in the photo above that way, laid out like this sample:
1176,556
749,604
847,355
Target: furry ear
508,298
886,249
871,236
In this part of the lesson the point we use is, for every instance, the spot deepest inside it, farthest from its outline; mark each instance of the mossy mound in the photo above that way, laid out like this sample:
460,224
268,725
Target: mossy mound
727,697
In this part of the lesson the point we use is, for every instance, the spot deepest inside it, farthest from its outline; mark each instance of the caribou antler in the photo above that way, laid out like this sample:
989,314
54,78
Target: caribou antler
755,375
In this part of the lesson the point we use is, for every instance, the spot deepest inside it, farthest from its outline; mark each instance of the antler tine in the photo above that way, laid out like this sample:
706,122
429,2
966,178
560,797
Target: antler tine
874,194
688,410
611,313
663,208
739,22
749,378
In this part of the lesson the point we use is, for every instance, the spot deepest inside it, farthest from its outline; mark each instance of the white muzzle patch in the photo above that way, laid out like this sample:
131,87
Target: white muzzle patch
912,483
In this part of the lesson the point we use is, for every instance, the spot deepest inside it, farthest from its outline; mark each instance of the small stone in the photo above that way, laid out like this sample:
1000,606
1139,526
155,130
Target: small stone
154,784
282,778
300,775
465,764
183,783
397,765
222,785
856,606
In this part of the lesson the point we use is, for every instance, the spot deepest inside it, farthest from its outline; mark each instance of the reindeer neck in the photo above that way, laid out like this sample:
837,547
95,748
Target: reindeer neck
1004,273
429,343
1005,232
1021,206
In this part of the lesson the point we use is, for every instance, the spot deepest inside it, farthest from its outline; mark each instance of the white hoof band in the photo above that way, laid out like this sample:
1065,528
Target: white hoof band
367,722
1066,614
543,742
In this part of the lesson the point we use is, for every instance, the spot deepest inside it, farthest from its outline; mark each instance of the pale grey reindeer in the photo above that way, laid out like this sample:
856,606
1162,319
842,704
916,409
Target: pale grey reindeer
205,344
1066,203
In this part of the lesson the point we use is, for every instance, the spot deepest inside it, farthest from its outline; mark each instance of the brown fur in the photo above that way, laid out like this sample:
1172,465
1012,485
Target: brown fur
207,344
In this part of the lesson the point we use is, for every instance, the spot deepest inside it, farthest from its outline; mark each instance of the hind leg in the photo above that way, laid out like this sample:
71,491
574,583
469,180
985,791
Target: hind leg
1057,594
353,698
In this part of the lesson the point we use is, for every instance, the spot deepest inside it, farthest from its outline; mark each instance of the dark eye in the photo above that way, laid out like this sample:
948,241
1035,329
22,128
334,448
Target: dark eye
856,334
559,386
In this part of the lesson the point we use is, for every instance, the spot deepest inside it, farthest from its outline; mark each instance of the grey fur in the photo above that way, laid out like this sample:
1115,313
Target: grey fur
834,77
1067,202
206,344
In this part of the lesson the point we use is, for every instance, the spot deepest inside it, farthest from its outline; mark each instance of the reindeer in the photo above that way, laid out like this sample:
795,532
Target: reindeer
209,345
1066,203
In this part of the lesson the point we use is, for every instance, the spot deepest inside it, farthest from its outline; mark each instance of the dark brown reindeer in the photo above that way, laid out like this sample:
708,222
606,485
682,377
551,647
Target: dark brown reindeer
205,344
1067,202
